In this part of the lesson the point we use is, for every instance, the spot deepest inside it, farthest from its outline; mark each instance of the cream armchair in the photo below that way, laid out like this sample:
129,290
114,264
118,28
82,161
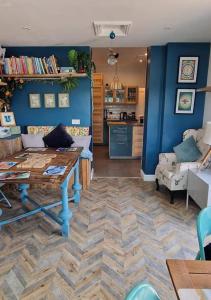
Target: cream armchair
174,175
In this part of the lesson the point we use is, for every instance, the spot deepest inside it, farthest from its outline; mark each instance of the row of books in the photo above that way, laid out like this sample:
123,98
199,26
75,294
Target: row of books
25,65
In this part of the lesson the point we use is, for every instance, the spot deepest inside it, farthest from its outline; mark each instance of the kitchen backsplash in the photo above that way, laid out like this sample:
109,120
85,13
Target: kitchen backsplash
113,111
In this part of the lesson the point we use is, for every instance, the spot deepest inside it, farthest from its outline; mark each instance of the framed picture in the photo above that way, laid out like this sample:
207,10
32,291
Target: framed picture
185,101
7,119
50,101
63,100
188,68
34,101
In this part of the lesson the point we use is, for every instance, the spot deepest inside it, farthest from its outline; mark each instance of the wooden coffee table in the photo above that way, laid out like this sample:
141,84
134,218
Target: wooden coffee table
193,274
69,159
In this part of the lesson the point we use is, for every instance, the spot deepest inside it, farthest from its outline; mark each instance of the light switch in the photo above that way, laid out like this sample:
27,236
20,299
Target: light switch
76,121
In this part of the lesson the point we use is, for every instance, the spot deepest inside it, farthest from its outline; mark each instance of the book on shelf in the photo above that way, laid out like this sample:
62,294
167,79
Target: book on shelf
25,65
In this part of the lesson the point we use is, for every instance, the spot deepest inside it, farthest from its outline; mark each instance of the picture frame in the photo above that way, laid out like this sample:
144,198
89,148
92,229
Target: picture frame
50,100
34,101
63,100
7,119
188,69
185,101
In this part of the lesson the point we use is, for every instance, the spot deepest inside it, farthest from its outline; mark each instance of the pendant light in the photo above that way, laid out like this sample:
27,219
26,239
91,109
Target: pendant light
116,84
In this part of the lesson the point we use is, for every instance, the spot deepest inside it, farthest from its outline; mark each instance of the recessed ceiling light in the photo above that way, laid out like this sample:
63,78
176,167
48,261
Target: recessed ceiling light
26,27
140,60
145,54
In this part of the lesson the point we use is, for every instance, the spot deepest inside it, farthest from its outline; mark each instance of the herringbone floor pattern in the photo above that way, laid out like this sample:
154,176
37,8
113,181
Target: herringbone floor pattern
122,232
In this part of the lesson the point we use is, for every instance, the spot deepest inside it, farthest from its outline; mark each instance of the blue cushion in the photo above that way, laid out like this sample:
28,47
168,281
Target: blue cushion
187,151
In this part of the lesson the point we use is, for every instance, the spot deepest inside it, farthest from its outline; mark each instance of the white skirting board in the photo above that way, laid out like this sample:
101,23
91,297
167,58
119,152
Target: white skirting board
147,177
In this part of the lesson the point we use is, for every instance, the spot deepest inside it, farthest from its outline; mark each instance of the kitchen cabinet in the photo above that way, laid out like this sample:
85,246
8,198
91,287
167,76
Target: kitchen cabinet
132,94
120,141
137,146
127,95
125,140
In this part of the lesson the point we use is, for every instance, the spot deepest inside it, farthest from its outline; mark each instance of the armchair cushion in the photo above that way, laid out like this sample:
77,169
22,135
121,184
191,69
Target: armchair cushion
167,158
187,151
185,166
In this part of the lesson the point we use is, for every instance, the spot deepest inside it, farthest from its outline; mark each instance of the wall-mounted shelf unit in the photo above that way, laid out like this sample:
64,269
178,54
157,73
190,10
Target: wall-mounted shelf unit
98,96
204,89
45,76
126,96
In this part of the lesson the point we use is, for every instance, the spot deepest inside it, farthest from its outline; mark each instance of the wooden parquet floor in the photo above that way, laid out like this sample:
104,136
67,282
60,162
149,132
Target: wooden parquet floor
122,233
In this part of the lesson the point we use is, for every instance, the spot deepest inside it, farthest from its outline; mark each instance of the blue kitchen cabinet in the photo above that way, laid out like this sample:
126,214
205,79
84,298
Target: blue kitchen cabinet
120,141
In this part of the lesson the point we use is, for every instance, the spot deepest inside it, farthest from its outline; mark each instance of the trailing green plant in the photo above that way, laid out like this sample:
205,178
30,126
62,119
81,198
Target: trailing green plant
6,92
69,83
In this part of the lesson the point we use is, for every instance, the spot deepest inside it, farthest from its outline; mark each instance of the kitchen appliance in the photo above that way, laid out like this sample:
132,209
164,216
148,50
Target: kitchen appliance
131,116
105,114
142,120
123,115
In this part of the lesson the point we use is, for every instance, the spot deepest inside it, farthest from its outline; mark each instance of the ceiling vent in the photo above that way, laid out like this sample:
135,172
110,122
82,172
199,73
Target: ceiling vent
104,28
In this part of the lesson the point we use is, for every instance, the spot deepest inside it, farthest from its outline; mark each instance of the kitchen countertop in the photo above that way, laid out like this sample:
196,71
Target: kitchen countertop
126,123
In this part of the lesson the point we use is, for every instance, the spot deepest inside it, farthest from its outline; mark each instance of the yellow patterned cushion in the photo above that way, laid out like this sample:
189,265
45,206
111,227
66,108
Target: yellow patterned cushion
72,130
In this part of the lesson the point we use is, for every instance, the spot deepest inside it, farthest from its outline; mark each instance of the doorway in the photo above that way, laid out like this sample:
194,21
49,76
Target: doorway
118,110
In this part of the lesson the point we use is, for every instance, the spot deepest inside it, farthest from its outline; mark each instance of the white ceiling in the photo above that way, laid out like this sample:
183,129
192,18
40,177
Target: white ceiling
69,22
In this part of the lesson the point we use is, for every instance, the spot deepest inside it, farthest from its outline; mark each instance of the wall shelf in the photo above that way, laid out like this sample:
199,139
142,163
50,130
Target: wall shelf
45,76
204,89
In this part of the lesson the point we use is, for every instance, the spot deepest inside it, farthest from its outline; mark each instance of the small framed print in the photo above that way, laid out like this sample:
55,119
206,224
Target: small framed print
34,101
63,100
7,119
185,101
50,100
188,68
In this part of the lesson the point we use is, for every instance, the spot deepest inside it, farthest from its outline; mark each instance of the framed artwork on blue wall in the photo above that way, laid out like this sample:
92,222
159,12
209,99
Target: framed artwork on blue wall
188,68
34,101
63,100
50,100
185,101
7,119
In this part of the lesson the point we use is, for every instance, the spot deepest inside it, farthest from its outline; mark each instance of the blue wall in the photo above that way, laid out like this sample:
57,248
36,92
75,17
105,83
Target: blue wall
153,108
80,98
163,127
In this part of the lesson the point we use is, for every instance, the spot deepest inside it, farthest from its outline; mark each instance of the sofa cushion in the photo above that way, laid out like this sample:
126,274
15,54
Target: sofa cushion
207,251
187,151
32,140
58,137
82,141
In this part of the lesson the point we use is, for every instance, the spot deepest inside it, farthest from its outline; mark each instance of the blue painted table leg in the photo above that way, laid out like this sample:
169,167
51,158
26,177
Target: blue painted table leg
76,186
66,213
23,192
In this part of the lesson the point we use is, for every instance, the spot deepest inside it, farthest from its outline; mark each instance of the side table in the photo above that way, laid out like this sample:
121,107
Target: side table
199,187
10,145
